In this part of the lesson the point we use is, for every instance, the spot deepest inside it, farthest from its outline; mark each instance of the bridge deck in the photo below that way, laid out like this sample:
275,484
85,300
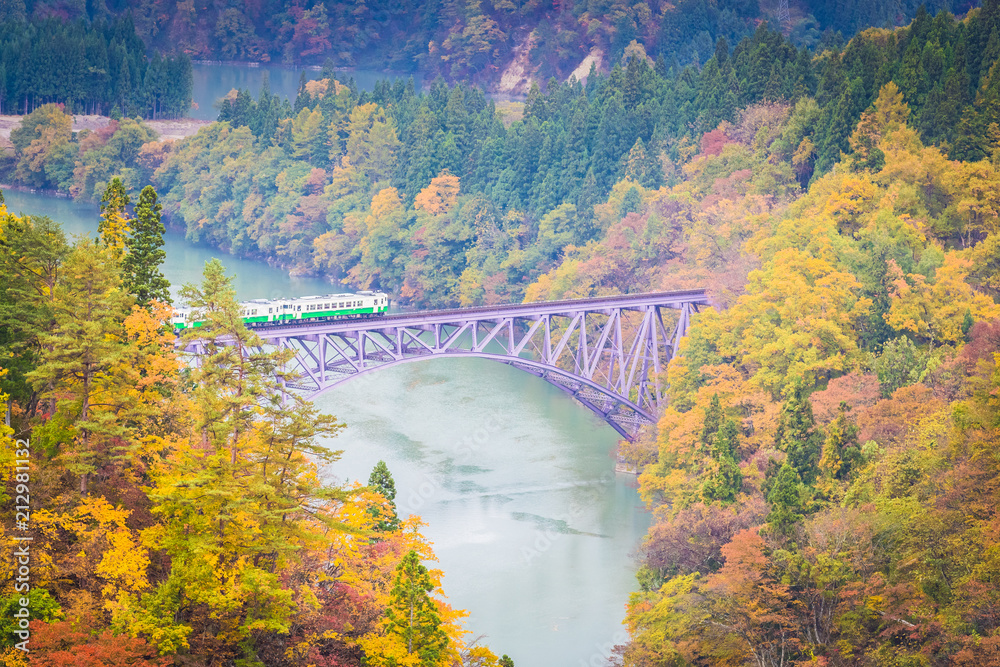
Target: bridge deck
566,307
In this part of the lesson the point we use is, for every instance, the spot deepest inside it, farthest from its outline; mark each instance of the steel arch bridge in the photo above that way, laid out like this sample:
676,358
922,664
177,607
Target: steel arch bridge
606,352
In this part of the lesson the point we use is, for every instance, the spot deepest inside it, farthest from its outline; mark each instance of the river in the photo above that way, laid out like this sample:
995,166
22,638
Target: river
515,480
210,82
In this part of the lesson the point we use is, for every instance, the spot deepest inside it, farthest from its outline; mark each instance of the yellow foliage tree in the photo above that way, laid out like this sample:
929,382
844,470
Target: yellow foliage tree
114,225
796,323
105,549
935,311
440,195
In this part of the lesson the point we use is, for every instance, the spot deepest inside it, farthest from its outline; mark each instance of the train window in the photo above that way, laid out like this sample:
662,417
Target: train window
270,310
299,308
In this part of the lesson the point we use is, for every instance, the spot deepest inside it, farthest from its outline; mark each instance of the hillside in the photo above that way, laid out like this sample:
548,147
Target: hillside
440,199
472,40
824,483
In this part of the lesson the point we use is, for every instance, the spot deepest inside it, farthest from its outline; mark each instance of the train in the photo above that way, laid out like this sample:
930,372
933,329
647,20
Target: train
264,312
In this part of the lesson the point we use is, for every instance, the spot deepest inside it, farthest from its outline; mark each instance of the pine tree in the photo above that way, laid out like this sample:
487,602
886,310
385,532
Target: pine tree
726,479
786,505
382,483
796,435
89,308
31,258
713,419
141,267
412,614
724,483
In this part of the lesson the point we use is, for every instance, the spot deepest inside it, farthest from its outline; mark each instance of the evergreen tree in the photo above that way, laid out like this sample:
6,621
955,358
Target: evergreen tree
382,483
88,308
796,435
786,504
726,479
713,420
31,256
724,483
141,266
412,615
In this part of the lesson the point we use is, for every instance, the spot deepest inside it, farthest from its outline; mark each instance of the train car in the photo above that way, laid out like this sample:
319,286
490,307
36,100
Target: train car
264,312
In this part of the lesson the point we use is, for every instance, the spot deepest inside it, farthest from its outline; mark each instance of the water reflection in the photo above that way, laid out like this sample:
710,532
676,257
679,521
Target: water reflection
185,261
532,526
214,81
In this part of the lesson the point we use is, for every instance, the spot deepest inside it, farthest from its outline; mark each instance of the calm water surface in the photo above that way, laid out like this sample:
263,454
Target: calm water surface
532,527
185,261
214,81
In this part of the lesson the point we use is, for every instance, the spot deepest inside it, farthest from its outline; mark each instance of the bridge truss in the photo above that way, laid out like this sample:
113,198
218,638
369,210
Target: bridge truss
606,352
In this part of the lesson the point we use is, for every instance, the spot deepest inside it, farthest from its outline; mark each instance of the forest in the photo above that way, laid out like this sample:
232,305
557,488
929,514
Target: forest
98,68
440,198
469,39
824,484
185,520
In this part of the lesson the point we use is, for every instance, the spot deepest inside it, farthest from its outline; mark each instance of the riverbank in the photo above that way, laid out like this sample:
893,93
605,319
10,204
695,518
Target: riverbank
169,130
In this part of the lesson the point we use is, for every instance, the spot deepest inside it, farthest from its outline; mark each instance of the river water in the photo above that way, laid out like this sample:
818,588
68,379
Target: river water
515,480
213,81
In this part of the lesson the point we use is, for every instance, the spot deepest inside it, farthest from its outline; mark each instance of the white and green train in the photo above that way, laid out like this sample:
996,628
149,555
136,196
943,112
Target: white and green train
262,312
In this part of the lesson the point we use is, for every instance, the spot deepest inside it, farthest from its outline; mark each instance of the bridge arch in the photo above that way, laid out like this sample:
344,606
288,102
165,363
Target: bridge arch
606,352
620,413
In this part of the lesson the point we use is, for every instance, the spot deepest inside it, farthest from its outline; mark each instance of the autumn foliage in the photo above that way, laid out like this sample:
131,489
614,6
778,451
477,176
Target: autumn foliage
179,516
860,364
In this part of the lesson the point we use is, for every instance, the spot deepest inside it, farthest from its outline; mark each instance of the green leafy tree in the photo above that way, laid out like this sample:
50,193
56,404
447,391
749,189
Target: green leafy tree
725,480
141,267
724,483
713,419
412,614
899,365
32,250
